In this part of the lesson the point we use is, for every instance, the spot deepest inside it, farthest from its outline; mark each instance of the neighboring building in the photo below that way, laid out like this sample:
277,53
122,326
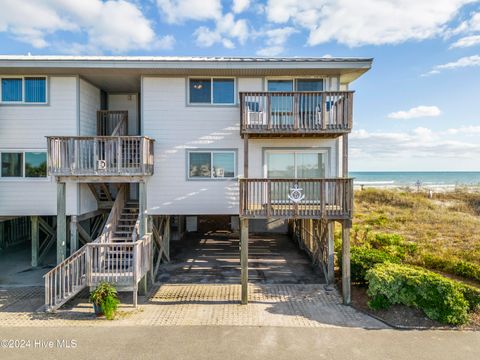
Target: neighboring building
159,142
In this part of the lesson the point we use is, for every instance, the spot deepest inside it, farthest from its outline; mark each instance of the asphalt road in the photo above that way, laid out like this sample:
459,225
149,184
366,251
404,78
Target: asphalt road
216,342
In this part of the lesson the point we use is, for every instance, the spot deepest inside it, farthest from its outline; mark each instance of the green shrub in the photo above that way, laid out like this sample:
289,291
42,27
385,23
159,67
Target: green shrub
105,296
363,259
472,295
380,240
454,266
440,298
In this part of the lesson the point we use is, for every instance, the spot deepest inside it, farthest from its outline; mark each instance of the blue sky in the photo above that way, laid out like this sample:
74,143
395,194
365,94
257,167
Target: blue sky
417,109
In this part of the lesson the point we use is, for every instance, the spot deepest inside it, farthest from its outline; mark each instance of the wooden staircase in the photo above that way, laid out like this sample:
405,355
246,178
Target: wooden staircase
118,256
126,223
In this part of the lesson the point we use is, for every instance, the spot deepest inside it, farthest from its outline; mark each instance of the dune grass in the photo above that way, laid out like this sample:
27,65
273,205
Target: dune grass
442,232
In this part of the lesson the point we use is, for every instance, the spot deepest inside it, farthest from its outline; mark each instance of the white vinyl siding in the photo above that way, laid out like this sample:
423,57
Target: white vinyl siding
89,105
178,128
129,102
24,128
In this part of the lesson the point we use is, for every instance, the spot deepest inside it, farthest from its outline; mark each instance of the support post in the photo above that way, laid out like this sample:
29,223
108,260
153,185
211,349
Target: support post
73,234
244,258
245,156
61,223
143,286
346,291
345,155
142,205
331,253
35,240
2,235
166,239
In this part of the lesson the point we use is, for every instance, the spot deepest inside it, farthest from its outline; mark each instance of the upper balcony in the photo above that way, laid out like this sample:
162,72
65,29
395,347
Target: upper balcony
85,158
274,114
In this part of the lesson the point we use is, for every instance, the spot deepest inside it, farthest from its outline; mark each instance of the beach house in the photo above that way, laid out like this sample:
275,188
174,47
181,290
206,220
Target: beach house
105,160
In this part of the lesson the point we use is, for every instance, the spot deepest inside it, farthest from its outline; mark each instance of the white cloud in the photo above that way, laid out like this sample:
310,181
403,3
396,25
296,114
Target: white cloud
466,130
275,40
240,6
467,26
415,112
177,11
115,25
467,61
226,30
466,41
355,23
396,150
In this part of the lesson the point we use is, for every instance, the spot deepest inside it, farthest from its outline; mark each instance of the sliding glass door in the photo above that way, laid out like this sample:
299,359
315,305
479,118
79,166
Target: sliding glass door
294,164
281,106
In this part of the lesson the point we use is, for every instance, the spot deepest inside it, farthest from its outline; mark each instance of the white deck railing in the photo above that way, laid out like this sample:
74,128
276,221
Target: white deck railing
100,155
317,112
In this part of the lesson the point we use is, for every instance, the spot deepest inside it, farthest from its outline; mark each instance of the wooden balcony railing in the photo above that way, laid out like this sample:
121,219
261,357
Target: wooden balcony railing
100,155
297,198
300,113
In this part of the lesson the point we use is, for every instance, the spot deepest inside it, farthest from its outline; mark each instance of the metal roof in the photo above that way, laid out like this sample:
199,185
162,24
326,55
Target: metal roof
123,73
181,58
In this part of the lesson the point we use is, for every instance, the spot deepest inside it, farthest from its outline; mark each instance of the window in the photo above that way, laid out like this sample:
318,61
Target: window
309,85
12,164
24,164
215,91
35,90
211,164
12,90
35,164
27,89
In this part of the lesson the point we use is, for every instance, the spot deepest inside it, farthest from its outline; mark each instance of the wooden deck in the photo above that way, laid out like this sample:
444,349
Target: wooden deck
100,156
330,199
314,114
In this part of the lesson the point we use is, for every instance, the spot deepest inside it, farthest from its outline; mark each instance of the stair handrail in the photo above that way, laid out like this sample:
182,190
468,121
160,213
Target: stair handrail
136,229
112,220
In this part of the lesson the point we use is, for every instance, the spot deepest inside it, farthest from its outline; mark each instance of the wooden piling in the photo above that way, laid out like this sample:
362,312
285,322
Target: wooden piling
346,286
35,240
244,258
61,223
73,234
331,253
142,204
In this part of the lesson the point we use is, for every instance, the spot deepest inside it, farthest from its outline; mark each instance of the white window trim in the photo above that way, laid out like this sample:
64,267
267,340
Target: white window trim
211,103
211,164
324,153
294,79
23,177
23,102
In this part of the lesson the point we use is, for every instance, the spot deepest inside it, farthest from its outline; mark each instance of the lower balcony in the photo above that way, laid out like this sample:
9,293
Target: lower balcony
114,157
331,199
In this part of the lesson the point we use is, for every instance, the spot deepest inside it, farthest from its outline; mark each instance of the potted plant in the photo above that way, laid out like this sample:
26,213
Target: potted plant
105,300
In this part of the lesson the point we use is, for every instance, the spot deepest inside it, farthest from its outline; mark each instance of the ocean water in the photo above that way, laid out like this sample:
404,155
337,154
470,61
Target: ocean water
410,178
